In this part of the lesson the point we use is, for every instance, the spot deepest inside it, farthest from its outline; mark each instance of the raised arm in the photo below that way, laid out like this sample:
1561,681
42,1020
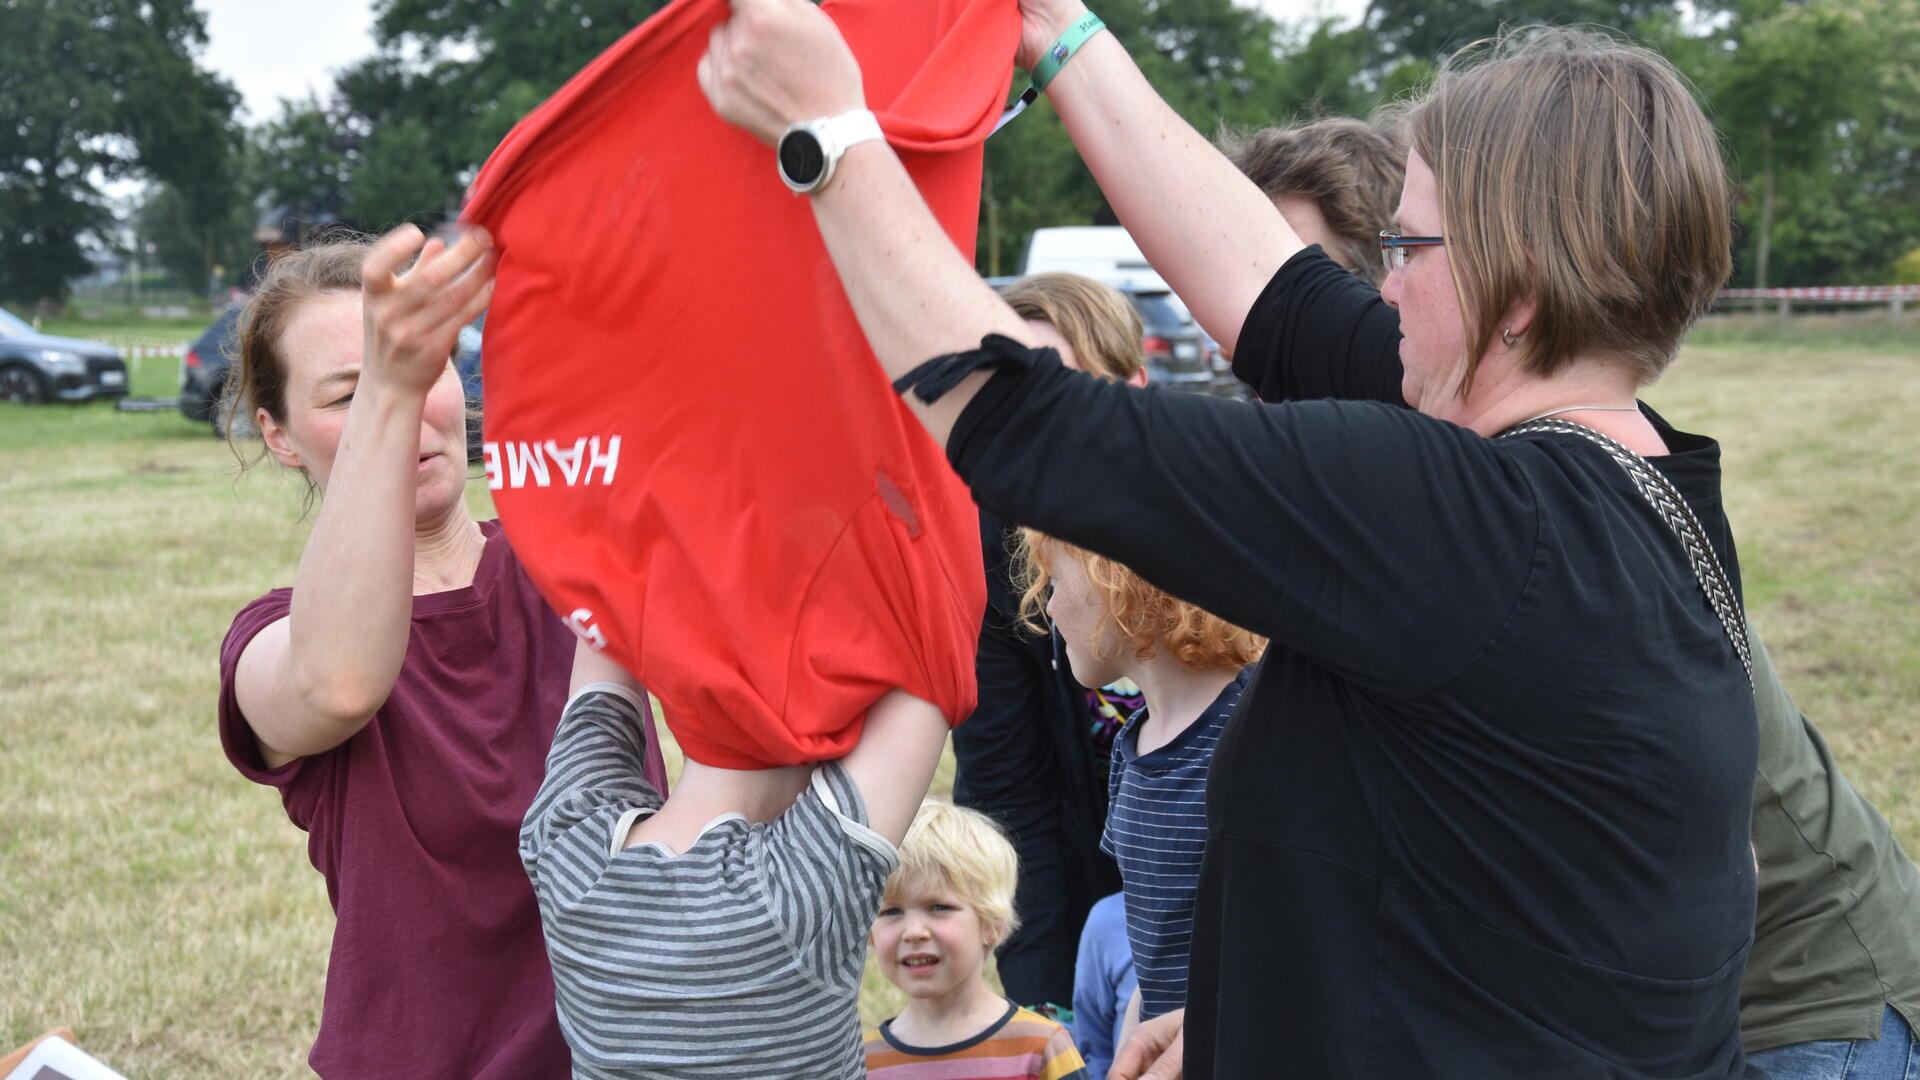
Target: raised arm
1201,223
310,681
596,767
1289,520
778,62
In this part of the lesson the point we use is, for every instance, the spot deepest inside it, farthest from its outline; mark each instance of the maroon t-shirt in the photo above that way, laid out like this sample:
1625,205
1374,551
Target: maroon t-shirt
438,968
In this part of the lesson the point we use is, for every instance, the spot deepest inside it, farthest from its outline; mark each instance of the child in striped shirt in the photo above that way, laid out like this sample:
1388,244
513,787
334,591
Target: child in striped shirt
946,906
1191,668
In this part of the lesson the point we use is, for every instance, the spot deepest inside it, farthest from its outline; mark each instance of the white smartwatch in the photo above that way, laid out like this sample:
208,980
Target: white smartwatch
808,151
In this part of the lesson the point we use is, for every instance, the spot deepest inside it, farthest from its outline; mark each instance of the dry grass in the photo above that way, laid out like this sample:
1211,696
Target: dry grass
162,907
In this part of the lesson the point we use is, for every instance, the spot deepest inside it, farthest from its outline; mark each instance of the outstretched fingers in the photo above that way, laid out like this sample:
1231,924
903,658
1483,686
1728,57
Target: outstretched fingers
380,270
440,264
474,291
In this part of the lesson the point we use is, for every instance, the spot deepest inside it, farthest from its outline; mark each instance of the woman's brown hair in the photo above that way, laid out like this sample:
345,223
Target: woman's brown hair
1578,171
258,376
1351,169
1095,319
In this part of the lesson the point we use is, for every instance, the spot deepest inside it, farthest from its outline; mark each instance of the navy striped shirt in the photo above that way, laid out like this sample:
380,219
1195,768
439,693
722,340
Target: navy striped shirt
1157,831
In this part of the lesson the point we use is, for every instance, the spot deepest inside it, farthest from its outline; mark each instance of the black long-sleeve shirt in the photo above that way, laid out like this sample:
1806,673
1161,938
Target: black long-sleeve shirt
1484,812
1025,758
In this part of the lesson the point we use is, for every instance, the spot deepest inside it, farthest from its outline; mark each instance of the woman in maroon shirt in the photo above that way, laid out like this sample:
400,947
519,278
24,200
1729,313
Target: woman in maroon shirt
402,695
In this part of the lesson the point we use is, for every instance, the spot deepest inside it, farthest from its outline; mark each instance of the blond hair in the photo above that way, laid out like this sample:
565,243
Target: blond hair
1351,169
953,849
1094,318
1579,172
1145,617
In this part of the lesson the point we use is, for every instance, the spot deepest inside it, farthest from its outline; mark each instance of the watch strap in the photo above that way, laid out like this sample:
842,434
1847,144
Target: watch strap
848,129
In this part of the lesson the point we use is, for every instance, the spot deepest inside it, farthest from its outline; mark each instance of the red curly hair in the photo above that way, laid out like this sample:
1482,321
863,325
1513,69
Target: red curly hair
1146,618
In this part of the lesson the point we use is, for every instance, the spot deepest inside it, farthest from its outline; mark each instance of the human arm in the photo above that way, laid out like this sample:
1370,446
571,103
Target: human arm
1095,1027
599,753
308,682
1207,229
893,762
1319,331
1384,543
776,62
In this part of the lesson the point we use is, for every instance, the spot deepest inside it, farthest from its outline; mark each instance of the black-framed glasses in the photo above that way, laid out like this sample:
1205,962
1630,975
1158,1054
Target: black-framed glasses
1393,247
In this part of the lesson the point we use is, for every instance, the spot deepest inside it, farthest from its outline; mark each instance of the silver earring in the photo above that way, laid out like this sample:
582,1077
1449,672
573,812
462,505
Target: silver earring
1506,336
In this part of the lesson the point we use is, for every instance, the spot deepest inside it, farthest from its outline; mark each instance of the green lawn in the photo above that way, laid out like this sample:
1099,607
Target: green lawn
164,908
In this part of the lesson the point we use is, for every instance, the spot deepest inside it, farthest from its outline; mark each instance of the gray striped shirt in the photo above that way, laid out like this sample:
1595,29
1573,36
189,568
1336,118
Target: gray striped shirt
739,958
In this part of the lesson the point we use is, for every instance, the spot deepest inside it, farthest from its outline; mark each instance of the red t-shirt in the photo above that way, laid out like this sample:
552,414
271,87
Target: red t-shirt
438,968
688,438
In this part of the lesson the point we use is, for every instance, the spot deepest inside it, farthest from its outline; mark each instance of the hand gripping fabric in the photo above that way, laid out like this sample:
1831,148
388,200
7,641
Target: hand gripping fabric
689,442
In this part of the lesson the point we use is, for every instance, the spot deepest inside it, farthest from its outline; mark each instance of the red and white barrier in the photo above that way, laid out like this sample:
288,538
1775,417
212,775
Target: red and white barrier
1836,293
150,350
1895,297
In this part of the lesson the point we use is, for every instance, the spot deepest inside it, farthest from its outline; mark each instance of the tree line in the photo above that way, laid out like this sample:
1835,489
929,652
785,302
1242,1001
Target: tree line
1818,103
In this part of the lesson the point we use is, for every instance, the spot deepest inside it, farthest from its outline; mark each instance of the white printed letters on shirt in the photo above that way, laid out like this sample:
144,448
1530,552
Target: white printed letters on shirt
588,461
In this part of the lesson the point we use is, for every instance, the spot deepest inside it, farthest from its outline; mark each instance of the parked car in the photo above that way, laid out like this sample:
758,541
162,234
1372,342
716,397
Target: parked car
36,367
466,361
203,370
1102,252
1179,352
1174,345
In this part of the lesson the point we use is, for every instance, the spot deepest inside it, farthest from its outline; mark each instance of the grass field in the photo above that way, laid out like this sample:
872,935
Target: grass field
164,908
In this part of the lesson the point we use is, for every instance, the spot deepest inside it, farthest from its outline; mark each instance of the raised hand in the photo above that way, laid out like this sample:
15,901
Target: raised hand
1041,24
776,63
414,316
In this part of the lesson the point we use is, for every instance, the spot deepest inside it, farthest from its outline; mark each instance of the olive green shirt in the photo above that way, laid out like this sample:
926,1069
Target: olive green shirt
1837,933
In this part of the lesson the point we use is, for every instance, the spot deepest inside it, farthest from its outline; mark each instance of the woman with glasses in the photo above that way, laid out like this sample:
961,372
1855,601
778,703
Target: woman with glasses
1484,810
1832,983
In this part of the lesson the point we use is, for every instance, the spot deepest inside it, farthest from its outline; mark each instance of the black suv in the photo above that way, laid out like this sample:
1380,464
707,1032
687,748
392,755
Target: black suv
36,367
1176,349
203,375
203,371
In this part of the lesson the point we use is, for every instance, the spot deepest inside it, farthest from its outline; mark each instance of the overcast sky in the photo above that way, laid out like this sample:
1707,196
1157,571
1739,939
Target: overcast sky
273,49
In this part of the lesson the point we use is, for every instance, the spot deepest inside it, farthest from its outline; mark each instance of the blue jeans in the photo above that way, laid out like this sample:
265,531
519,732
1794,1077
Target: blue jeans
1893,1056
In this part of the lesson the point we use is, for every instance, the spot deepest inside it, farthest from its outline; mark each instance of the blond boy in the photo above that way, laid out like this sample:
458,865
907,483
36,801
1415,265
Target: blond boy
945,908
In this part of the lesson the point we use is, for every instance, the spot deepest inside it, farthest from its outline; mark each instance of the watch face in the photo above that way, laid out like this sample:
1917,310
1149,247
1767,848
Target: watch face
801,157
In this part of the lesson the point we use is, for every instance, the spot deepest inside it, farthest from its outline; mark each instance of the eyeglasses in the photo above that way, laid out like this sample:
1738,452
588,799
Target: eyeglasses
1393,247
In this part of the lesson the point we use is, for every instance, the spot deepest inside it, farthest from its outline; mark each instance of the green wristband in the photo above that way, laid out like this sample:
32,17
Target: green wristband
1056,58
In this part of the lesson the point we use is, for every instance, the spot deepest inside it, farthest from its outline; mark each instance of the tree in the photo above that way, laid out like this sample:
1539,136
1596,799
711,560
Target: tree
1431,29
190,250
303,160
92,91
1325,71
450,79
1214,61
1788,75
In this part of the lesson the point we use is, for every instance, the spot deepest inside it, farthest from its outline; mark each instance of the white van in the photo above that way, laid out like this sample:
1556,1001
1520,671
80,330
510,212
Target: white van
1179,353
1101,252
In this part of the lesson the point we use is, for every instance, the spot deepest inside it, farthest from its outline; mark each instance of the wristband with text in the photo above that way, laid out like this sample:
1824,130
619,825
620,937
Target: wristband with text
1056,57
